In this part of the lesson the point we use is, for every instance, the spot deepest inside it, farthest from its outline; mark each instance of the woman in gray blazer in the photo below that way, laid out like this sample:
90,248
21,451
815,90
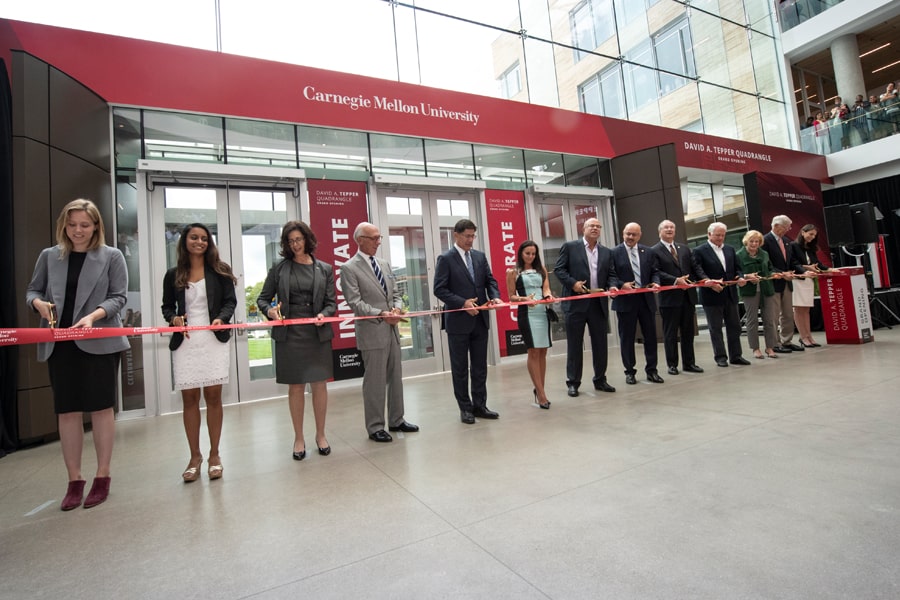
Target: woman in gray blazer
300,286
82,283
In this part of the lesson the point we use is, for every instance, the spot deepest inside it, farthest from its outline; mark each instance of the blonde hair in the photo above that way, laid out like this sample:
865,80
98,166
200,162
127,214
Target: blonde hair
97,239
752,235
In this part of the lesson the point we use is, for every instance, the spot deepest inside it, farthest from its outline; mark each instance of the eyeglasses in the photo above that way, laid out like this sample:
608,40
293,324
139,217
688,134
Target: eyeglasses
374,238
295,241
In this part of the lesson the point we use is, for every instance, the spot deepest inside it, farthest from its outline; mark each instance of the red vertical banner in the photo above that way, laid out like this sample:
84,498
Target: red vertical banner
335,208
506,229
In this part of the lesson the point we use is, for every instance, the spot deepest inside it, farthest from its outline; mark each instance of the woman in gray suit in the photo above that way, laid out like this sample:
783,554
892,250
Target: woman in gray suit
81,283
301,287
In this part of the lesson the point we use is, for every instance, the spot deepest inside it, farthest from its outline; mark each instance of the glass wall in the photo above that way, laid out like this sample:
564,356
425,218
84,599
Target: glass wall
675,63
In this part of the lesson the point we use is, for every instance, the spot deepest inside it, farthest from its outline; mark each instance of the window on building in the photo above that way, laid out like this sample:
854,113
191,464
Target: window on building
511,82
641,86
603,94
674,54
592,22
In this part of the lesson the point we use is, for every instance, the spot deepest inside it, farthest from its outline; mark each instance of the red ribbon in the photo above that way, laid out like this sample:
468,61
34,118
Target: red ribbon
34,335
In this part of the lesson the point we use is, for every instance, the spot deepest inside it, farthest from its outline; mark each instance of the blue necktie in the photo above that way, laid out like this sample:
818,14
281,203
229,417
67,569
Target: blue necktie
635,265
378,274
470,267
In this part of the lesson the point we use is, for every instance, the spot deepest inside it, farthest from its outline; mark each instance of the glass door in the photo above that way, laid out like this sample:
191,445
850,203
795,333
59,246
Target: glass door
246,226
419,228
560,220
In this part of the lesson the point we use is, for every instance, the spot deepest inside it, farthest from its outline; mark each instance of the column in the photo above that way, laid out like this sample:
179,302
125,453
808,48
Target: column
847,68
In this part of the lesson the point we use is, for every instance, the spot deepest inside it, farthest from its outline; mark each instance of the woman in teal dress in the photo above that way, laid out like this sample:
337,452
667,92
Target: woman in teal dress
529,280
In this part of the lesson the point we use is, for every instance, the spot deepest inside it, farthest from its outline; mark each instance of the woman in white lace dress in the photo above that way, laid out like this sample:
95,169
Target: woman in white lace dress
199,290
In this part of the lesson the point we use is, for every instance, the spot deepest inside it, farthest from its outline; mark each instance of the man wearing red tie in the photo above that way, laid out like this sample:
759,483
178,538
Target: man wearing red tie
776,244
676,307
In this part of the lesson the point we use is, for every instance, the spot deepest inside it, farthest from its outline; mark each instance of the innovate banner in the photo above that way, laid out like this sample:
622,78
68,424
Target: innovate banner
335,209
506,230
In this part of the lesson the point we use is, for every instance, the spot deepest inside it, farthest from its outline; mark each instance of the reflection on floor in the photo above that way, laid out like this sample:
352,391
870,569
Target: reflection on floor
777,480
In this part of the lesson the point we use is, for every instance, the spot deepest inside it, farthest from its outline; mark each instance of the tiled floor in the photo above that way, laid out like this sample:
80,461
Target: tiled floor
777,480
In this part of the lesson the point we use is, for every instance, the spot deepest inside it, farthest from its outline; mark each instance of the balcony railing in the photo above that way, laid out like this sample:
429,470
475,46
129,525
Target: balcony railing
793,12
861,127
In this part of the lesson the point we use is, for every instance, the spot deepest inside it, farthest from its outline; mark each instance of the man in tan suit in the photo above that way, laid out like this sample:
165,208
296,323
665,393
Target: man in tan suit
371,291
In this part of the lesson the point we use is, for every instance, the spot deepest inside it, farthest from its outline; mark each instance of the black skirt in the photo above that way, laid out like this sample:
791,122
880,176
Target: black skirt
82,382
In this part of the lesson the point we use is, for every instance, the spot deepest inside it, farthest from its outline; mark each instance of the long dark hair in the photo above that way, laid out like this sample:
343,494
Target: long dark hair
536,263
210,257
309,238
813,246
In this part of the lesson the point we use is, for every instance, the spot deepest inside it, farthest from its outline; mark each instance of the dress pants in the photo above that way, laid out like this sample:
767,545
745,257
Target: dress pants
785,304
627,332
728,314
596,324
769,316
678,320
383,370
466,349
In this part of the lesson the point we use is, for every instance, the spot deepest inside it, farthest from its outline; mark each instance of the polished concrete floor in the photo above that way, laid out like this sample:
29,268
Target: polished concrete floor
779,480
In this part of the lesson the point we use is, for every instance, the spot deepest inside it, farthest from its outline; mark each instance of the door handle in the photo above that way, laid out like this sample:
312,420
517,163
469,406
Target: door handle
240,330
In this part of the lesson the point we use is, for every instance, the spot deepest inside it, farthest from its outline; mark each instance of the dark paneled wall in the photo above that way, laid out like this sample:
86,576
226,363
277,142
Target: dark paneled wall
647,191
61,151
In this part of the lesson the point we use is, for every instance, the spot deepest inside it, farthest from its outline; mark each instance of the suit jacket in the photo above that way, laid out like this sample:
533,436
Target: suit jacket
278,286
801,257
670,270
103,283
572,265
779,262
453,286
625,273
708,266
220,299
367,298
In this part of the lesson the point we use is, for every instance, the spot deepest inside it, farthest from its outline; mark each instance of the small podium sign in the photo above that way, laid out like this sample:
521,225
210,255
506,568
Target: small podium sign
845,307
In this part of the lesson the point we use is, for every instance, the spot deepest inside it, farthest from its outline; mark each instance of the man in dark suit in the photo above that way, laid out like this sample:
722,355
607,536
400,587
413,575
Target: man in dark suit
636,268
676,307
777,245
716,263
584,265
463,280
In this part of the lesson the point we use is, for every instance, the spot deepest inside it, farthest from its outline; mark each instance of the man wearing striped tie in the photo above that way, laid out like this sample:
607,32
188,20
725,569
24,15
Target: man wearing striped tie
371,291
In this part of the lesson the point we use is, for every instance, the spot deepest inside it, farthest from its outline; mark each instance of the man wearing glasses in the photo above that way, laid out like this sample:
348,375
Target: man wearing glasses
463,280
371,290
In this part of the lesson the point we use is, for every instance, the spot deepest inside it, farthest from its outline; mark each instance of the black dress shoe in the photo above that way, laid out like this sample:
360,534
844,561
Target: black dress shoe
466,417
794,347
674,370
740,360
485,413
324,451
630,379
782,350
692,369
655,378
721,362
573,391
300,455
380,436
603,386
404,426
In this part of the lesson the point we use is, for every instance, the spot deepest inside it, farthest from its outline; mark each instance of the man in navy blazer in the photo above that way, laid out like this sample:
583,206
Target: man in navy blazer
676,307
716,262
584,265
463,280
777,245
636,268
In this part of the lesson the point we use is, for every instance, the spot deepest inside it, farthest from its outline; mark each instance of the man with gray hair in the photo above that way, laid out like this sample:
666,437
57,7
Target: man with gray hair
716,264
371,291
777,245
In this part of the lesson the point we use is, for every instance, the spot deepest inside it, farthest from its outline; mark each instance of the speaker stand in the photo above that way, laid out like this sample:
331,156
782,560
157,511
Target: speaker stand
873,300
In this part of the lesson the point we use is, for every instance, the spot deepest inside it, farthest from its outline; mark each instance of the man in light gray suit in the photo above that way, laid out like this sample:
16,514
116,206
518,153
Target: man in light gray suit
371,291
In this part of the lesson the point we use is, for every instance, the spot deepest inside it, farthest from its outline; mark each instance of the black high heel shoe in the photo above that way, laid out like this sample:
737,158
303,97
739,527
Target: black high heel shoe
300,455
324,451
544,406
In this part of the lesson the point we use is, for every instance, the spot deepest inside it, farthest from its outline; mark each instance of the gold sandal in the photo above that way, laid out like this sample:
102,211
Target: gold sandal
192,473
215,471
